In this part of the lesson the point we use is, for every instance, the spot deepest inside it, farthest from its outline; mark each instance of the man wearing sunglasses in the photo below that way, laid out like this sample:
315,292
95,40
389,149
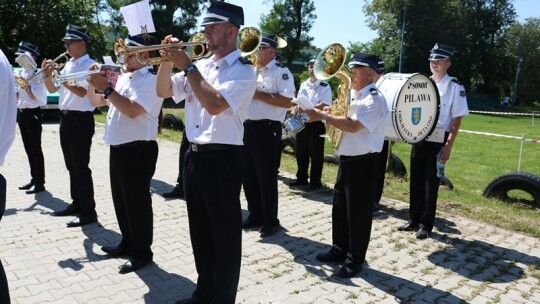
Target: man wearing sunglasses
76,127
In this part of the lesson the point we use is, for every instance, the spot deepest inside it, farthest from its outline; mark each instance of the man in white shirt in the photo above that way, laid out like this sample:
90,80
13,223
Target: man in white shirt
363,136
424,185
131,131
8,116
29,100
310,141
217,92
76,127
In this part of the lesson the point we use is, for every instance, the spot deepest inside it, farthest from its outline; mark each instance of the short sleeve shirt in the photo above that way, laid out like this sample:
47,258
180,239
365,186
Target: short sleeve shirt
453,102
67,99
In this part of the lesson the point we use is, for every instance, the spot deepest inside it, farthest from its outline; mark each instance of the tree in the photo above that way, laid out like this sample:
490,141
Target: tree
291,20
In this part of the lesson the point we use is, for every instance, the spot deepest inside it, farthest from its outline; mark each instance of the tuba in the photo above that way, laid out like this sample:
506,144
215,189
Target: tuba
248,41
330,62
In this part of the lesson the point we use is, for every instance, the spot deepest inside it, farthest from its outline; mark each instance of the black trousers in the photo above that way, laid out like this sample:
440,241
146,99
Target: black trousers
213,180
352,210
30,121
310,146
262,151
131,168
381,172
424,185
76,131
4,290
184,146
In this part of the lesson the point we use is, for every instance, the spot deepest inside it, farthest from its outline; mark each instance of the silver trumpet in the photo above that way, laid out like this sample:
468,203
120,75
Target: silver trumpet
74,79
38,76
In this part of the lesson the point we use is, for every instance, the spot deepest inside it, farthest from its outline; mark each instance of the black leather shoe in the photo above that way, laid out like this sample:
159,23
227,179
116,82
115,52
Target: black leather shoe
422,233
27,186
410,226
70,210
334,255
115,251
349,270
36,189
81,221
268,230
250,223
176,192
299,183
132,265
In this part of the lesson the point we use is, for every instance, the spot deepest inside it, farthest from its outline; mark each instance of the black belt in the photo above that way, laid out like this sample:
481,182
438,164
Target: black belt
66,112
261,121
30,110
132,144
346,158
210,147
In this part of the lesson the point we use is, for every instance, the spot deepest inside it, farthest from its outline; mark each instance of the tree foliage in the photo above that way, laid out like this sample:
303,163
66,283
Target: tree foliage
291,20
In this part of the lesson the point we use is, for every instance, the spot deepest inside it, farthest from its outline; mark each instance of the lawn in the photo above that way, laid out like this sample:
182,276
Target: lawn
476,160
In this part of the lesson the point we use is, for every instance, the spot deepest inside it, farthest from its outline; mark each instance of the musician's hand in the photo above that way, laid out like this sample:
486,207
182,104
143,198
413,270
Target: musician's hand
177,56
170,39
47,67
98,81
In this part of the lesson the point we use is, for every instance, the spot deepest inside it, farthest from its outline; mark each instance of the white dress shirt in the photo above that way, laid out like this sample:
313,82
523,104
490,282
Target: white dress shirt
39,90
453,102
68,100
235,81
8,106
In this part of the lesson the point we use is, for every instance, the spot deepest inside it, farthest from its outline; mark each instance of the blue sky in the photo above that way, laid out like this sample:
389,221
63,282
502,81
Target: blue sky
343,20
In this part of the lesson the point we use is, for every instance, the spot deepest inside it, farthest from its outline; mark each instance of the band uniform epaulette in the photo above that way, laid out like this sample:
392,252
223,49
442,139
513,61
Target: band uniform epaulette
245,60
373,91
454,79
152,71
323,84
279,65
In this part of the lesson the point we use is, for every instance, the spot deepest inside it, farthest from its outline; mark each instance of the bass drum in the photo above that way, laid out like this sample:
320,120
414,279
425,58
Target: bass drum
413,102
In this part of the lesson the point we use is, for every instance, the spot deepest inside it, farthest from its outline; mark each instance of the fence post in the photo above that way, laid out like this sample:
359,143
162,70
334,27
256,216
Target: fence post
521,151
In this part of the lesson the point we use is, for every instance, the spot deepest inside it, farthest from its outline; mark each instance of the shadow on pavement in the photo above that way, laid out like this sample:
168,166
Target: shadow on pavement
44,199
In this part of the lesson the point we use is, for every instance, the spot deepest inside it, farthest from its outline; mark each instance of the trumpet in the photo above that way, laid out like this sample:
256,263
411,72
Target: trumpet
196,48
38,78
248,41
73,79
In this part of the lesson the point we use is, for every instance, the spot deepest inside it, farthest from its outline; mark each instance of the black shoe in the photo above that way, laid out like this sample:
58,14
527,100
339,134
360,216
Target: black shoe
115,251
349,270
27,186
410,226
70,210
299,183
334,255
315,186
268,230
176,192
132,265
422,233
36,189
250,223
81,221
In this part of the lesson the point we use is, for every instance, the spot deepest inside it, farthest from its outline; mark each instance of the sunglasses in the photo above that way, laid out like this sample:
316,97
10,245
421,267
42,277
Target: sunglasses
70,42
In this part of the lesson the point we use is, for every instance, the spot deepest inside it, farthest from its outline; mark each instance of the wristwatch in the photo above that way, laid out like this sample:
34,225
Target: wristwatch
108,91
324,117
190,68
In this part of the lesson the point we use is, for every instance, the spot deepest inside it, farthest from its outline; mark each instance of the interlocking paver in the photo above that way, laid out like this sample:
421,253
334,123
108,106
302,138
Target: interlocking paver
464,261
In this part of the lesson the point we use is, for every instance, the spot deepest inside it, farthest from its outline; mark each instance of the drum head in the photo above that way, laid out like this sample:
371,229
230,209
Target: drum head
413,102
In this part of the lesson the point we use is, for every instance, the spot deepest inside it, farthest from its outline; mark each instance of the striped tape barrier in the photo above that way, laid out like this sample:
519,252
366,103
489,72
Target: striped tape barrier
501,135
505,113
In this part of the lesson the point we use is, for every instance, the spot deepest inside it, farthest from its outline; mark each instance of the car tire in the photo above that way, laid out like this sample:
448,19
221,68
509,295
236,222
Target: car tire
332,159
396,166
171,121
445,181
523,181
289,141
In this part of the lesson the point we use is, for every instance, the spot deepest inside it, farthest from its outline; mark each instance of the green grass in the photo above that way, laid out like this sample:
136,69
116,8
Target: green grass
476,160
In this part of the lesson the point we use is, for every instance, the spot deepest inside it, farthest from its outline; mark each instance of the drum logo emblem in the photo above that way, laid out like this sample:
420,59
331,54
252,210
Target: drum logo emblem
416,115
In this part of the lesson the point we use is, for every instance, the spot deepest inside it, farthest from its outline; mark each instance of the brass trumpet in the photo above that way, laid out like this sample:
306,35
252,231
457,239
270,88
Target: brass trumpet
196,47
38,77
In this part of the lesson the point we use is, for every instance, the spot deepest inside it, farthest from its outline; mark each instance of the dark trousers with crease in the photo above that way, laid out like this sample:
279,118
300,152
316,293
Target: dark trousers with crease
76,132
352,210
131,169
310,146
4,290
262,150
184,146
381,172
30,121
213,180
424,184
